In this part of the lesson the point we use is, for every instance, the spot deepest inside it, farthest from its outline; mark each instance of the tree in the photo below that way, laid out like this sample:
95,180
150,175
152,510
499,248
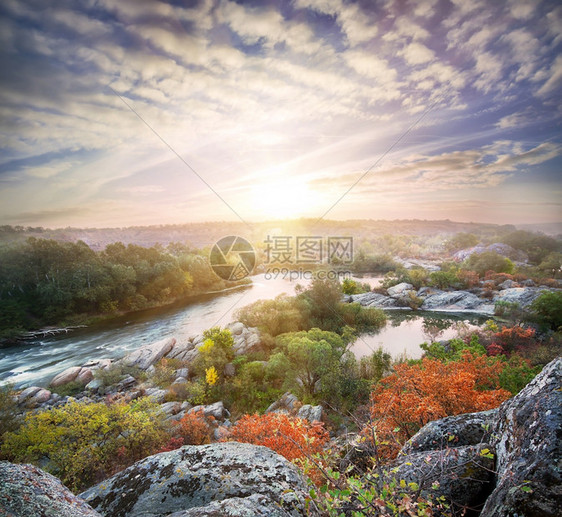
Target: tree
489,261
548,309
461,241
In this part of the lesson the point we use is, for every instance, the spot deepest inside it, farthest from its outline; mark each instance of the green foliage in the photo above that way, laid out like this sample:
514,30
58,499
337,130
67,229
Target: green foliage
516,374
69,389
84,443
453,350
461,241
362,318
486,261
443,279
165,372
375,366
551,265
117,372
364,262
536,245
9,420
350,286
548,309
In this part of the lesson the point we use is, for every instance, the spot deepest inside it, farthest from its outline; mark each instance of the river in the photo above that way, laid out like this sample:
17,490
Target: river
37,361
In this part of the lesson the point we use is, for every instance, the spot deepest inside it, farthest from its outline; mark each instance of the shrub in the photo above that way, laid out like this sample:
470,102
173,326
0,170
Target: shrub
486,261
515,338
83,443
195,429
419,393
548,309
9,420
289,436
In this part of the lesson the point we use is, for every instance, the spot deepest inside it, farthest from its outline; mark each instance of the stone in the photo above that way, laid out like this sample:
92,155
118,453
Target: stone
399,289
465,475
255,505
65,376
236,328
197,476
311,413
147,355
378,300
529,449
508,284
457,301
180,380
85,375
182,372
523,296
170,408
156,394
94,385
229,370
41,396
216,410
287,402
27,491
452,431
27,393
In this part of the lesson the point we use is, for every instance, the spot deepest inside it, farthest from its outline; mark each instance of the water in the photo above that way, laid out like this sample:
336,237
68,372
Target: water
38,361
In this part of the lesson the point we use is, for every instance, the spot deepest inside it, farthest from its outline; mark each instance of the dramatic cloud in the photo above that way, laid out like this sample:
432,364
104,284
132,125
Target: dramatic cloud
107,108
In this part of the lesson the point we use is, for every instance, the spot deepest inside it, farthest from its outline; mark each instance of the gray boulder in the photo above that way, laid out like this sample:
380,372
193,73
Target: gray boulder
523,296
528,444
287,403
255,505
378,300
464,474
27,393
79,374
400,289
28,491
147,355
216,410
457,301
452,431
311,413
196,476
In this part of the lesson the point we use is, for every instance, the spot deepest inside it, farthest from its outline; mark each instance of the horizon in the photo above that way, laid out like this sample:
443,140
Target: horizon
117,114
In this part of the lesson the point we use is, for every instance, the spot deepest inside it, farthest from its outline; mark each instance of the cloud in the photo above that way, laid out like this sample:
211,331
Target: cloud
417,54
554,80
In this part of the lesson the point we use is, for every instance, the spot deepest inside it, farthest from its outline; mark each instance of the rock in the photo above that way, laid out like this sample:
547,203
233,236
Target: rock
27,491
254,505
416,264
170,408
523,296
27,393
182,372
311,413
529,449
185,350
197,476
399,289
180,380
156,394
41,396
236,328
508,284
216,410
147,355
287,402
457,301
502,249
229,370
126,383
378,300
66,376
98,364
465,476
94,385
452,431
85,375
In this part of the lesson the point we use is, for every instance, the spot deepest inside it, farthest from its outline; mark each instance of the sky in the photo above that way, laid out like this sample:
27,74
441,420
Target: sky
137,112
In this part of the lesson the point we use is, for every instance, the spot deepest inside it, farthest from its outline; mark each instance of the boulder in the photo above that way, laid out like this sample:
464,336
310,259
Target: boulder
170,408
41,396
288,403
147,355
529,449
27,393
194,477
311,413
254,505
452,431
216,410
378,300
399,289
28,491
81,374
456,301
523,296
465,474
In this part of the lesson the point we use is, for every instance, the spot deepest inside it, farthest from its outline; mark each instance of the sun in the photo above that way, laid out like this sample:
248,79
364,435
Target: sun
283,200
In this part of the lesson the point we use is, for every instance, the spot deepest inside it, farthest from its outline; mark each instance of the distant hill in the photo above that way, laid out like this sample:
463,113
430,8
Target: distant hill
201,235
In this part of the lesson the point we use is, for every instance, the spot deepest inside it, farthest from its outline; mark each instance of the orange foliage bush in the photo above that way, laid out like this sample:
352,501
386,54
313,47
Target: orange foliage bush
416,394
195,428
514,338
289,436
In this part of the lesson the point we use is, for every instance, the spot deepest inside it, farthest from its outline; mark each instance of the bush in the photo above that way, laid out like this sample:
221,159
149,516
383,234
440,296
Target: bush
486,261
286,435
9,420
195,429
84,443
548,309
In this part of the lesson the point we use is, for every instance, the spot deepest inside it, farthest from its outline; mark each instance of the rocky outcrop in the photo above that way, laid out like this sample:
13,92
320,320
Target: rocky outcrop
528,442
219,475
522,296
456,301
401,289
379,301
147,355
27,491
255,505
505,250
523,435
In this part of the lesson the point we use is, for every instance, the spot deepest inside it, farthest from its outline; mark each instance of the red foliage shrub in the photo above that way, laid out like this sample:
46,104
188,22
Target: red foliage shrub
195,428
515,338
414,395
289,436
495,349
469,279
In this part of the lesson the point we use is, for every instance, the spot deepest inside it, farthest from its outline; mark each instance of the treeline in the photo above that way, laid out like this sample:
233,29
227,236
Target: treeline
44,282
